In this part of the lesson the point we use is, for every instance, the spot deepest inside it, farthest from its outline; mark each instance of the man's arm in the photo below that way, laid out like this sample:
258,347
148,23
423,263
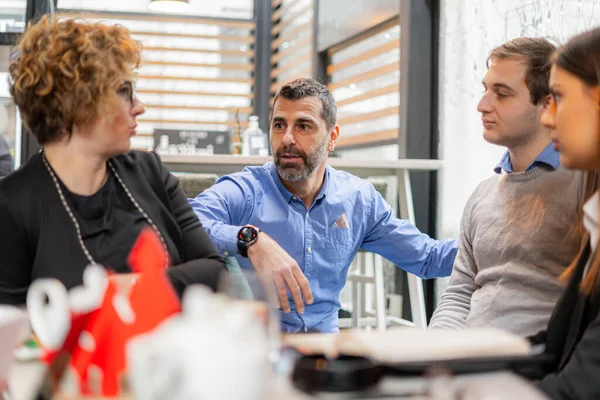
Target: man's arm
223,210
455,304
403,244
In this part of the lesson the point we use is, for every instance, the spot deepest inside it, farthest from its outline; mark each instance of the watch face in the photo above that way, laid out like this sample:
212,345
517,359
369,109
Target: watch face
247,234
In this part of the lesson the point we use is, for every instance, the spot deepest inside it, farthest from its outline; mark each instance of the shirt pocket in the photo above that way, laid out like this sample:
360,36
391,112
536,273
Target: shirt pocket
338,246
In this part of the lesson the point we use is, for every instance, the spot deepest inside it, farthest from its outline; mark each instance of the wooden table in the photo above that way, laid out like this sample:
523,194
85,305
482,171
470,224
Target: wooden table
25,377
489,386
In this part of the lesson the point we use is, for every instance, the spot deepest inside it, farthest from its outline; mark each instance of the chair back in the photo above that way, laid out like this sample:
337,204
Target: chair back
193,184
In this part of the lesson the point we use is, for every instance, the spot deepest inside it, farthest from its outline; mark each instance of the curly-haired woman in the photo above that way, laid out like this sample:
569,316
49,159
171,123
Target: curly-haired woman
85,197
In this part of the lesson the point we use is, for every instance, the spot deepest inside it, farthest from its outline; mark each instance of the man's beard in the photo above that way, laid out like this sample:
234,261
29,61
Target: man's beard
294,172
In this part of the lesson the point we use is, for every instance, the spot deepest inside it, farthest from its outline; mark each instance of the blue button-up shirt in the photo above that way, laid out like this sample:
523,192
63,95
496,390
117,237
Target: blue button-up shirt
548,156
311,236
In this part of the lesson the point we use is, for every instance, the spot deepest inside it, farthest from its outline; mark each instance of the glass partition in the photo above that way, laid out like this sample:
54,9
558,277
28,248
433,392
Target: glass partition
292,41
12,15
9,118
242,9
365,81
197,75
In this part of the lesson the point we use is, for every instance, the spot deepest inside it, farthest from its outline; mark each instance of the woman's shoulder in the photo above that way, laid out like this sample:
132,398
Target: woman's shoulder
138,158
138,161
21,190
142,169
25,180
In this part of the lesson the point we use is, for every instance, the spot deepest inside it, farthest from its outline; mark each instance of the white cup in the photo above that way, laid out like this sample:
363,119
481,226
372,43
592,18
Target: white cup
12,322
213,350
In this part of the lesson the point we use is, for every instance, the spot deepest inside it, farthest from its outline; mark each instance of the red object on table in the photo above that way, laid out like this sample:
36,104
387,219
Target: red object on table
97,340
152,297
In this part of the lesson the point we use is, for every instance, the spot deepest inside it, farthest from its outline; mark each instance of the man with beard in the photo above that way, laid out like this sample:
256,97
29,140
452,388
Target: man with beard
303,222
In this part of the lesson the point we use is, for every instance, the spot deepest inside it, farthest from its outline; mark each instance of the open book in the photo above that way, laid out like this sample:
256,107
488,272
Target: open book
400,345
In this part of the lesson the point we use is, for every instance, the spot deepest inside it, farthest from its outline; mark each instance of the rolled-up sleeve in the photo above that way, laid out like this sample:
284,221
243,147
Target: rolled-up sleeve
222,210
403,244
455,304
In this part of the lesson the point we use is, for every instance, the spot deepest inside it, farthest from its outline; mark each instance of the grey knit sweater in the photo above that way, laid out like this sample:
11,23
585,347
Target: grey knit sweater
518,234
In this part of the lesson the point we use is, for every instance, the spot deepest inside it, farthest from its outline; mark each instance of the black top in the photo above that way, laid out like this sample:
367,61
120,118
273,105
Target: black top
109,223
38,239
573,341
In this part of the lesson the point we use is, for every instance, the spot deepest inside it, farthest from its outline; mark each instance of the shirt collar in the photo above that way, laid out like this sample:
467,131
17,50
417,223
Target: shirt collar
548,156
590,219
287,195
504,164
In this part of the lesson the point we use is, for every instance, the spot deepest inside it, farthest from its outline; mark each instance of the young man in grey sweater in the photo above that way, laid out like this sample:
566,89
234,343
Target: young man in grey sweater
519,228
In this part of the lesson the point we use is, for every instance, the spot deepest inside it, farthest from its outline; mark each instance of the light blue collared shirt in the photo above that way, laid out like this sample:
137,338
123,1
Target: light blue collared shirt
323,251
548,156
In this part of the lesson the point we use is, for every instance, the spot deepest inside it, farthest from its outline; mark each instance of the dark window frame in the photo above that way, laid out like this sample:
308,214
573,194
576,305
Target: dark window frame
418,135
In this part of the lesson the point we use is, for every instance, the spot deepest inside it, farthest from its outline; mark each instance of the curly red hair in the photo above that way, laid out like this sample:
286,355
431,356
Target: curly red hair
66,73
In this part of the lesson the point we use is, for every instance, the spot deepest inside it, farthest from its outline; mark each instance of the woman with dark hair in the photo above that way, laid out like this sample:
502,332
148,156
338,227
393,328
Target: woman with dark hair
85,197
573,335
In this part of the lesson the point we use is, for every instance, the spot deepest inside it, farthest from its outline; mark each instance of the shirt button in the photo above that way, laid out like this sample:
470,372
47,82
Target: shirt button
295,198
306,215
309,249
225,253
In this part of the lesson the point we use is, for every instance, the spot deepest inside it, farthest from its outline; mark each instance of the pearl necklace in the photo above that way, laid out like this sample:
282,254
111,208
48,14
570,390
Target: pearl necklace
76,224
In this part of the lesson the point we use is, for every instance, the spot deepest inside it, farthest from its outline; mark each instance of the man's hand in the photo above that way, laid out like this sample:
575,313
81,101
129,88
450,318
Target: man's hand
267,256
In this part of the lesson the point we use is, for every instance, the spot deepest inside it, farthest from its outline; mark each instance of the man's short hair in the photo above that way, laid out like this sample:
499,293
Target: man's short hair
305,87
537,54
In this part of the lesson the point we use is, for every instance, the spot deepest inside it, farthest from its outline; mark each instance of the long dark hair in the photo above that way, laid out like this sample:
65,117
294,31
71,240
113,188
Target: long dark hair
580,56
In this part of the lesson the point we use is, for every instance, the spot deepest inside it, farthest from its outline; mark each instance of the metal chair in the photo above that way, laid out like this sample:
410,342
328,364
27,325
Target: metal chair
366,279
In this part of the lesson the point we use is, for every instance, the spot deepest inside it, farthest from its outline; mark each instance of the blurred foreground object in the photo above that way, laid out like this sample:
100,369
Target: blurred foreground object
12,322
92,324
215,349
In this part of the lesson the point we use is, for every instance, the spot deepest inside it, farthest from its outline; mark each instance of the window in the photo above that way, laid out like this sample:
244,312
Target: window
12,15
292,45
196,73
242,9
9,119
365,80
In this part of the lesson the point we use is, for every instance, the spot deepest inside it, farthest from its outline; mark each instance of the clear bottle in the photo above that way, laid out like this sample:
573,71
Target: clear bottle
236,137
254,140
163,145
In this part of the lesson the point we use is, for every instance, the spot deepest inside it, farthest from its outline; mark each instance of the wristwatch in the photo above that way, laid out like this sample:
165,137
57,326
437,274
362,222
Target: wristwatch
246,237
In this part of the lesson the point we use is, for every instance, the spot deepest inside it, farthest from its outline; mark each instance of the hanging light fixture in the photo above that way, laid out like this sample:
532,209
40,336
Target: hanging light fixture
176,6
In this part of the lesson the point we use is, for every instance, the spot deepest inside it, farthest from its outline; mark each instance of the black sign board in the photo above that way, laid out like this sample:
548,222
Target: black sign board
181,141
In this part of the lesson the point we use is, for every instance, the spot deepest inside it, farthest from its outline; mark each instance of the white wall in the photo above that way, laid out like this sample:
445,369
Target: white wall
469,30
